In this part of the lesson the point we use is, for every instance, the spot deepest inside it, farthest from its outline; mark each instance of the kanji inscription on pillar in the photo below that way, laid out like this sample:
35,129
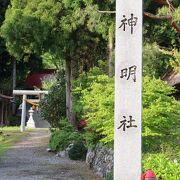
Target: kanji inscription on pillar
124,124
128,88
129,72
128,23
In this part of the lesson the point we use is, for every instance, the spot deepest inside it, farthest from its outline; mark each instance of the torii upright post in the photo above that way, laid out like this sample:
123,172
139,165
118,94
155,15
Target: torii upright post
23,114
128,90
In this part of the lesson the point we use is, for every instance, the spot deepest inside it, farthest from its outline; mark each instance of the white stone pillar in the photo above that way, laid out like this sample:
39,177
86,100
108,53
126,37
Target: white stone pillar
23,114
128,87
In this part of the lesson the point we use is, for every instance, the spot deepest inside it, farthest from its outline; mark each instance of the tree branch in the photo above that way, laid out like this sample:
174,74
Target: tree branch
171,7
163,2
152,16
108,12
168,51
173,23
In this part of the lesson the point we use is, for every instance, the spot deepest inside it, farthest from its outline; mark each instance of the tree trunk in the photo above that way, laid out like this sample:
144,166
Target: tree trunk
2,113
71,74
14,85
68,87
74,74
111,50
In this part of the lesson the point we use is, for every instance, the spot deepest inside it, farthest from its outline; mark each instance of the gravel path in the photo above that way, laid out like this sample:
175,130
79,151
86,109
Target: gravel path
28,160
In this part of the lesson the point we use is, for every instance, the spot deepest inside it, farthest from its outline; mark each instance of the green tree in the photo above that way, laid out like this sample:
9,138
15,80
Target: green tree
161,36
167,10
55,27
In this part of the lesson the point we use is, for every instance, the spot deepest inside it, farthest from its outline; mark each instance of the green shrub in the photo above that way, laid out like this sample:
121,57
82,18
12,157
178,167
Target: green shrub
167,144
160,110
63,136
83,83
60,139
155,62
53,106
94,101
99,108
163,167
78,151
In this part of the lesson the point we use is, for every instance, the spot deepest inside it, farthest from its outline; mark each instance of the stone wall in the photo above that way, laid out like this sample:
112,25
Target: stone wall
100,160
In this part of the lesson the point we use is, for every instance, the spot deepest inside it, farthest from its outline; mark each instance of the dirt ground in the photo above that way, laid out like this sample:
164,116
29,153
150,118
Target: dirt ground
29,160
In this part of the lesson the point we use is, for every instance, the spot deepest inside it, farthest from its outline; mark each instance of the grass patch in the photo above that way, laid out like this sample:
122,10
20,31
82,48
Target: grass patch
9,136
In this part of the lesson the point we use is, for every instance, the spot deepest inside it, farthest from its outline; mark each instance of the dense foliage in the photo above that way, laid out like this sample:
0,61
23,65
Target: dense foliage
163,167
155,62
160,110
96,104
63,136
77,151
60,29
53,106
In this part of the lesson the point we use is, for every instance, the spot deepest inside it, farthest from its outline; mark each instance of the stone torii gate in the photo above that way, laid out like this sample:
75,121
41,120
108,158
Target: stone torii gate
24,93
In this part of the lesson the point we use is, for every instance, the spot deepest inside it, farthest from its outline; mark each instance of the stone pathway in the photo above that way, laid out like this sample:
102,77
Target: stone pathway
29,160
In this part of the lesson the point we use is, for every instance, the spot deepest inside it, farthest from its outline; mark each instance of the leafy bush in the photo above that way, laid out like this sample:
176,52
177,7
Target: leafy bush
61,138
53,106
95,102
78,151
83,82
162,166
166,144
160,110
155,62
94,94
175,61
99,108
